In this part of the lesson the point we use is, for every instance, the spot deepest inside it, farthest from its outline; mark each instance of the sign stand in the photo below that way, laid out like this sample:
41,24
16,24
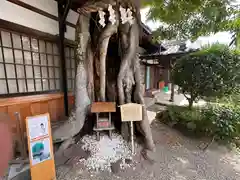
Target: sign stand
131,112
40,148
132,140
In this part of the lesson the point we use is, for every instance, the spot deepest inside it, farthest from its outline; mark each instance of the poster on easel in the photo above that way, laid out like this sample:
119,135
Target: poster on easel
40,147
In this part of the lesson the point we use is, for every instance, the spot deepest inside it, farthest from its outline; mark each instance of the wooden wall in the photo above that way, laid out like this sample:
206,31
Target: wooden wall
35,13
156,75
35,105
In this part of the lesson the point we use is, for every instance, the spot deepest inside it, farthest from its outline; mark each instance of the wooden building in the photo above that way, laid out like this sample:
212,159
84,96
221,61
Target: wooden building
37,57
158,64
31,61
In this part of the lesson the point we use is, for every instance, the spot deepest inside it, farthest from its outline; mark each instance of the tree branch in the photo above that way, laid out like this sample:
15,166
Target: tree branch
108,31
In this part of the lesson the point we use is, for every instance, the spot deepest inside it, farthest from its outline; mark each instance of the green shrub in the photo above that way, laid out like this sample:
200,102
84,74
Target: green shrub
231,99
210,73
184,114
185,117
222,122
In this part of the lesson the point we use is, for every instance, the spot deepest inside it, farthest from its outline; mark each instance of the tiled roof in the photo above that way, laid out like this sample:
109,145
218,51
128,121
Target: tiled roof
171,50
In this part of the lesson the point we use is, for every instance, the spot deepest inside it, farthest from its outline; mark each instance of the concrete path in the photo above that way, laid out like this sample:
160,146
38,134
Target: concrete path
176,158
179,99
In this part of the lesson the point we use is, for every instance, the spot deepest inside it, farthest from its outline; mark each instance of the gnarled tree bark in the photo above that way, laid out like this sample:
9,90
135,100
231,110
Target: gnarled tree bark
130,63
91,73
129,52
103,42
82,98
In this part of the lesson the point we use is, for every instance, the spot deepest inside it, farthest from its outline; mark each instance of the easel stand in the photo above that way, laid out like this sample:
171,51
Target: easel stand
21,136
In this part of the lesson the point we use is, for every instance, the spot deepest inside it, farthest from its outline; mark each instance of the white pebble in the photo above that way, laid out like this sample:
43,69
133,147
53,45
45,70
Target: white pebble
105,152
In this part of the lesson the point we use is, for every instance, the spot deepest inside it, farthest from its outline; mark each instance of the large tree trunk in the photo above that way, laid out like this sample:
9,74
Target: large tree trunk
138,97
90,71
125,76
129,52
129,76
103,42
82,89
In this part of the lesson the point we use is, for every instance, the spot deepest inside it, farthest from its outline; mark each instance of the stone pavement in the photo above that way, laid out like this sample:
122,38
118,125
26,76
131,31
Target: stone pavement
176,158
162,98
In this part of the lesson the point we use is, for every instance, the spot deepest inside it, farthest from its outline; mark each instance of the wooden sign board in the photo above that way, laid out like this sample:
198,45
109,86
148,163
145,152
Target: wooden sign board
101,107
40,147
131,112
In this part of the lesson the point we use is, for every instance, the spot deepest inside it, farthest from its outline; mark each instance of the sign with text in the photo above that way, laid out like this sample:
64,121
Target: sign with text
40,147
131,112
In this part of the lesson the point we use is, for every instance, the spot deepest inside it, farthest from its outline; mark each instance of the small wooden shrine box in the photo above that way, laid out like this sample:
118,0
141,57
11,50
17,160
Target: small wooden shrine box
103,112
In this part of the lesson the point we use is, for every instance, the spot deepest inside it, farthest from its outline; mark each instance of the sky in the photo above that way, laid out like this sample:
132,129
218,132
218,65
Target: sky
220,37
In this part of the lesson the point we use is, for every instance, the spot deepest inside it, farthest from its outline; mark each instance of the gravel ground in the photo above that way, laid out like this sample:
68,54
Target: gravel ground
176,158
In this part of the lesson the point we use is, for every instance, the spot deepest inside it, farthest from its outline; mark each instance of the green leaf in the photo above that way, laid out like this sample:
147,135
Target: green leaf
193,18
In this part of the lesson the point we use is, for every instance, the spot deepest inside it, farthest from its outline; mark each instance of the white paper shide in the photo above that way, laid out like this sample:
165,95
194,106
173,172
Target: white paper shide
112,16
126,15
102,18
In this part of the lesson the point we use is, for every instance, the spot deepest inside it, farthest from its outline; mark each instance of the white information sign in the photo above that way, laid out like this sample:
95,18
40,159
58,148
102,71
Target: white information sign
40,147
40,151
38,127
131,112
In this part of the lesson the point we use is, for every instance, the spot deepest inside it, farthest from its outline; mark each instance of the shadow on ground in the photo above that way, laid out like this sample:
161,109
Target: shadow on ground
176,158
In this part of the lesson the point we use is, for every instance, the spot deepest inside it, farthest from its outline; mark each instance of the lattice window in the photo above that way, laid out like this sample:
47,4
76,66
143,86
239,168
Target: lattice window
70,67
32,65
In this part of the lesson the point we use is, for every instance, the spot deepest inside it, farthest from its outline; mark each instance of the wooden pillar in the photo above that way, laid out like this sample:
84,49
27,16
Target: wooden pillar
172,91
63,10
172,82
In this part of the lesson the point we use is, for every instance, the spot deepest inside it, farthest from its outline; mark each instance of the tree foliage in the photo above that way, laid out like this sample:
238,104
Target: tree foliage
211,72
221,122
233,25
189,19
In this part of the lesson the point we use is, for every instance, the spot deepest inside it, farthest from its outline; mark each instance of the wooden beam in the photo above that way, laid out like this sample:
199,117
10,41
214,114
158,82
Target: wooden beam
63,10
94,6
39,11
23,30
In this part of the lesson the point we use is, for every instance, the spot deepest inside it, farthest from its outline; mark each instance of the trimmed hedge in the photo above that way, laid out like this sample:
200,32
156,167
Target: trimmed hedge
219,121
